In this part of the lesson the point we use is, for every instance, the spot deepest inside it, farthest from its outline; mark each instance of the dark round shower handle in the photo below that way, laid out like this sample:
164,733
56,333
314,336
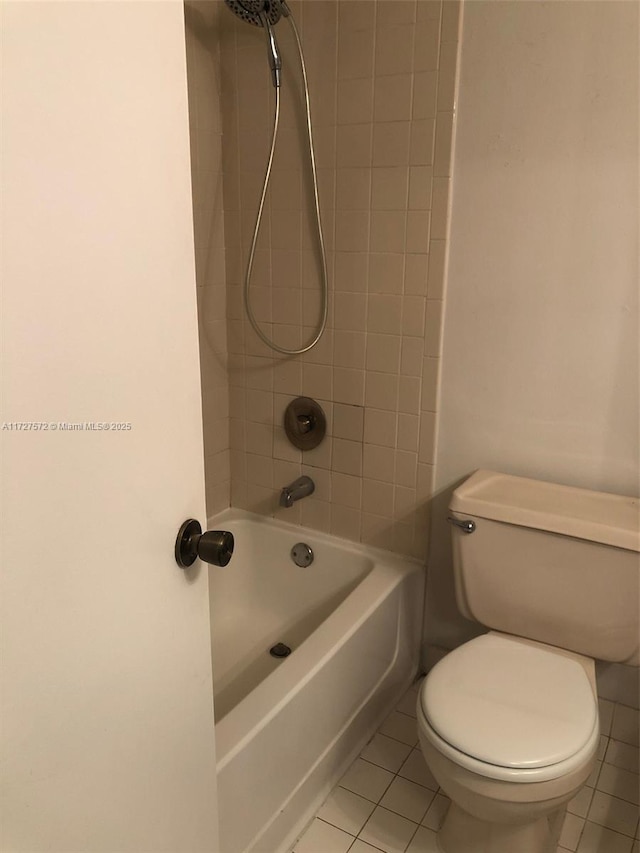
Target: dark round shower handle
214,546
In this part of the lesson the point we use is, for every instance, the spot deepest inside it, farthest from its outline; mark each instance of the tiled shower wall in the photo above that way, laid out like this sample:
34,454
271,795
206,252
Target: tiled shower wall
381,78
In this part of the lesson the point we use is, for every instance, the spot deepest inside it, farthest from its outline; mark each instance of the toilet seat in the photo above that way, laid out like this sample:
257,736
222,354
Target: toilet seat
509,709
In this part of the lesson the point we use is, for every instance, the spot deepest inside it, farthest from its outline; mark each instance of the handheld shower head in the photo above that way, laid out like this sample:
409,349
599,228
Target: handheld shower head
263,13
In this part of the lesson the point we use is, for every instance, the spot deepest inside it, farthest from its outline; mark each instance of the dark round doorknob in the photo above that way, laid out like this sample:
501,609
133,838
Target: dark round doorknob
214,546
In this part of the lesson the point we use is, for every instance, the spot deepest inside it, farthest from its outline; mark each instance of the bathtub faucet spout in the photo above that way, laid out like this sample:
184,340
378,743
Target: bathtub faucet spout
300,488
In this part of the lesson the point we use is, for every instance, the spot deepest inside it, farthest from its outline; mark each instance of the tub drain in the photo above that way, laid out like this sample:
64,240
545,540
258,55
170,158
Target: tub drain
279,650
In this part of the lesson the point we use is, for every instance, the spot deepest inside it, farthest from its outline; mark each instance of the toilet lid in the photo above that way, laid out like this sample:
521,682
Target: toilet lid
509,703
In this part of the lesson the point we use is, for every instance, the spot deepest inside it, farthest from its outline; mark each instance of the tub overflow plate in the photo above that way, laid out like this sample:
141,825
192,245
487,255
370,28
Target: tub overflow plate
302,555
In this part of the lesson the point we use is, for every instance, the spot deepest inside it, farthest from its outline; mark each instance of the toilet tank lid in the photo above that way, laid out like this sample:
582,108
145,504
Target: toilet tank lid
584,514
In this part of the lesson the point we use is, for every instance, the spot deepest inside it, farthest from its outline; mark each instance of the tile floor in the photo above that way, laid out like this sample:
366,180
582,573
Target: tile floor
389,801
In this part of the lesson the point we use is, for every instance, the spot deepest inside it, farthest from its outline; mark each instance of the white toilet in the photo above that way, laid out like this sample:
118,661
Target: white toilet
508,722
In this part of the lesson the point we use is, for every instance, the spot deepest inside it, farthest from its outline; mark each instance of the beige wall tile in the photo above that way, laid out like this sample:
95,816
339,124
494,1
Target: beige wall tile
427,45
437,258
352,230
430,372
389,188
443,150
346,490
409,395
418,230
384,313
406,469
383,353
425,95
450,21
348,422
349,349
348,386
391,143
353,189
377,497
380,427
416,274
388,230
354,15
395,12
355,52
422,142
347,457
317,381
316,514
355,101
381,391
378,463
427,438
350,311
351,269
408,427
353,145
413,315
394,48
433,327
392,98
412,351
346,522
386,272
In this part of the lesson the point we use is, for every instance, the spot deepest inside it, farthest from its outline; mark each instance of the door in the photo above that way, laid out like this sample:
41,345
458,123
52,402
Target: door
107,711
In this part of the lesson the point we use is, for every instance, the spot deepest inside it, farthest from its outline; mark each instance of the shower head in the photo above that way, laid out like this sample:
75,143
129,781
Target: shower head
251,10
263,13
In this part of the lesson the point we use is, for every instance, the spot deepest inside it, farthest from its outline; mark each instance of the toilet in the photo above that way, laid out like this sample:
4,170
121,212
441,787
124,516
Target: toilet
508,722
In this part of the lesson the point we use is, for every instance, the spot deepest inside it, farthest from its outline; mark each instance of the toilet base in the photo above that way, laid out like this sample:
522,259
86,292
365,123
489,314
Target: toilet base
464,833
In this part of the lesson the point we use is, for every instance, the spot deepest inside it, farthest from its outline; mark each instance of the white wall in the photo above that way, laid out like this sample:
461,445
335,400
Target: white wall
107,733
540,361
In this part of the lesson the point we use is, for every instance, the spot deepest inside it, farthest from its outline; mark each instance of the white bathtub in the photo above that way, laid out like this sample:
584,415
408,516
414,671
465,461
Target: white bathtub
286,729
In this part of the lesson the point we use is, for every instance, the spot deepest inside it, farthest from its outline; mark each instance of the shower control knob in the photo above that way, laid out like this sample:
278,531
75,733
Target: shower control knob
214,546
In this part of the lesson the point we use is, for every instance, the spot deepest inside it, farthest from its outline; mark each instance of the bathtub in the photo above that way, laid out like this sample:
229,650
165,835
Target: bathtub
287,728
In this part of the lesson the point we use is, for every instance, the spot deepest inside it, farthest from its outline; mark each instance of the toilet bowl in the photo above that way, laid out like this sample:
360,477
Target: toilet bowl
509,729
508,722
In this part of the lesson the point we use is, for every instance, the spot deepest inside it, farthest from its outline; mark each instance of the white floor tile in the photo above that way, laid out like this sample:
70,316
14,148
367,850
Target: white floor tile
623,755
360,846
424,841
597,839
407,704
571,831
386,752
407,799
625,724
619,783
605,708
346,810
602,747
592,781
415,769
401,727
613,813
436,812
579,805
366,779
321,837
388,831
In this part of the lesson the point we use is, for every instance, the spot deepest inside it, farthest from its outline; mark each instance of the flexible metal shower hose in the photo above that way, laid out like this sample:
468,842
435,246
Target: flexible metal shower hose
265,187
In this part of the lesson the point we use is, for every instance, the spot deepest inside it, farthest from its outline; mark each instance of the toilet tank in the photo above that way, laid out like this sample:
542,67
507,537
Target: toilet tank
551,563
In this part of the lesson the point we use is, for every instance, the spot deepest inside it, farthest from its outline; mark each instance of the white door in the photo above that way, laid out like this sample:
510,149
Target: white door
107,711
